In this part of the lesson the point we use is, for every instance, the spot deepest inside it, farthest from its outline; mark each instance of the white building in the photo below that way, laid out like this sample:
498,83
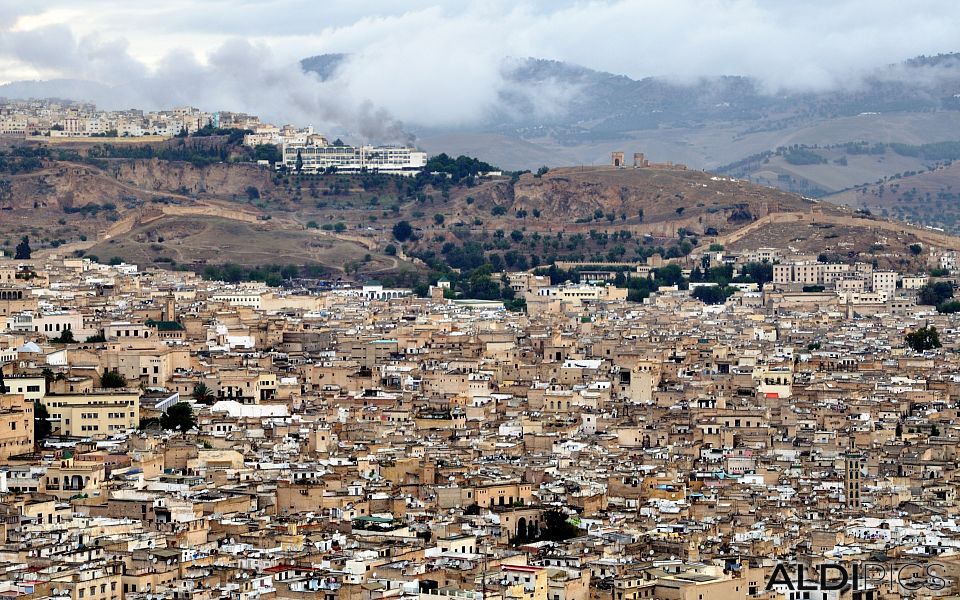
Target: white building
51,324
885,283
317,155
374,290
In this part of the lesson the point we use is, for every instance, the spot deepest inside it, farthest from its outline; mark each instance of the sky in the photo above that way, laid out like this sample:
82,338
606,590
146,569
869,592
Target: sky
442,63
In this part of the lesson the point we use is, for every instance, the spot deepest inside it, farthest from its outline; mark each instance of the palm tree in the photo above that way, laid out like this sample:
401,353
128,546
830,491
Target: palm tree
202,394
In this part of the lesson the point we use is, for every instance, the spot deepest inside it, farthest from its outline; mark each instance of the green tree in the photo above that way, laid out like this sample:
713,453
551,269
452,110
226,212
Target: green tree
178,417
268,152
925,338
759,272
438,219
299,163
402,231
112,379
949,307
712,294
934,294
23,249
202,394
556,527
65,337
41,422
669,275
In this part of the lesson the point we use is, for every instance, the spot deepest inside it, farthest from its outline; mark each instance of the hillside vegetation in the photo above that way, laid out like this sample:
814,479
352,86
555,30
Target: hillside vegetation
200,215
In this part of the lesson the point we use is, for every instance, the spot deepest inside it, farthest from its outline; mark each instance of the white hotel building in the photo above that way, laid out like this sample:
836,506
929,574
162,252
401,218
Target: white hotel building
317,155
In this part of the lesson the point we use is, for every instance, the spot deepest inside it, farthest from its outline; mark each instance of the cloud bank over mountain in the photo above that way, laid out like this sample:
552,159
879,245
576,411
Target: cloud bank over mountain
432,64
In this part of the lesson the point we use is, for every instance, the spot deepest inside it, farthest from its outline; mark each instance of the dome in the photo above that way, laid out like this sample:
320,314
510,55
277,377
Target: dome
30,347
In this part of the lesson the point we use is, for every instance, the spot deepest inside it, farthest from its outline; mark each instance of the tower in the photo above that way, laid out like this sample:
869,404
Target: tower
617,159
639,161
852,472
170,308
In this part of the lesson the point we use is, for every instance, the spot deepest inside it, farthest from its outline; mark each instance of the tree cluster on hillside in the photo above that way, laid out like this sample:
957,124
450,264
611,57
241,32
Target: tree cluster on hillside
23,251
193,149
23,159
798,155
459,169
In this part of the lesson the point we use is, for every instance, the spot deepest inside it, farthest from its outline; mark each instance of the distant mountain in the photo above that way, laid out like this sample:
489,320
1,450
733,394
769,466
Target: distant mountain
602,104
80,90
577,115
324,65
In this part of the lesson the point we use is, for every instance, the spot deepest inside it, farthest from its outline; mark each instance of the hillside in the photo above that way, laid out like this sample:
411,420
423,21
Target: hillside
824,170
181,215
930,197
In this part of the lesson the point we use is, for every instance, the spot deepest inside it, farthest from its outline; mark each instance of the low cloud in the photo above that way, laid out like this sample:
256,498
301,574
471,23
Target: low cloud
437,66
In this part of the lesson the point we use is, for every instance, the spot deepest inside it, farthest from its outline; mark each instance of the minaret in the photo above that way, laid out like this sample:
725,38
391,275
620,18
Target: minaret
852,472
170,308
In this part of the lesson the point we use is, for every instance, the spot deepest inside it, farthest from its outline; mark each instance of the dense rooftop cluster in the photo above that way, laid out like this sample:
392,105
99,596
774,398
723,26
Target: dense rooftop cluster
162,436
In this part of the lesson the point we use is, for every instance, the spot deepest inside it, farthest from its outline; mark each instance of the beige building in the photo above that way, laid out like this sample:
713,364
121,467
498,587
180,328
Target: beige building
94,415
16,425
149,365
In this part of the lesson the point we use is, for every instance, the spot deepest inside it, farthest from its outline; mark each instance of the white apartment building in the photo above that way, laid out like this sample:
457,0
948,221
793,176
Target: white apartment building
885,283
